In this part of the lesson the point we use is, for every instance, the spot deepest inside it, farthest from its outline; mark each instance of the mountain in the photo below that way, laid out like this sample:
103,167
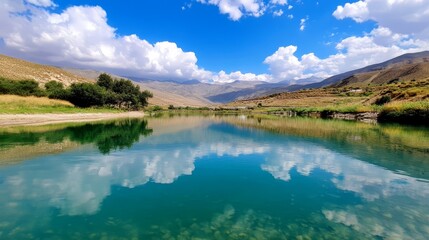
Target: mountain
218,93
161,96
404,78
405,66
18,69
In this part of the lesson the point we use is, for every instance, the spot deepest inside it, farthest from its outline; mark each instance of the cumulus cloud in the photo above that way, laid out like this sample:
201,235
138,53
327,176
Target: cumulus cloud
353,52
405,17
80,36
236,9
402,28
357,11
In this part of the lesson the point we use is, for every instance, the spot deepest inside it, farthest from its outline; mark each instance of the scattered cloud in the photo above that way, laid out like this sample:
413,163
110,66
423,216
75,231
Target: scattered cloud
41,3
236,9
278,13
279,2
302,24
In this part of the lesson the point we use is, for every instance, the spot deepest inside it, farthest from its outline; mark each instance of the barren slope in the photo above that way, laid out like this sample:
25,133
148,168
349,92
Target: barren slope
17,69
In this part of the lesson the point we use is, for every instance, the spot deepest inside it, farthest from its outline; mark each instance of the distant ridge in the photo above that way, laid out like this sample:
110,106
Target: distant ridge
409,58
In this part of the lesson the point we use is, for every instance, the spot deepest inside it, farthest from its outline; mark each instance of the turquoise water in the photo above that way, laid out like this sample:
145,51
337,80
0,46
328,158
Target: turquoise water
215,178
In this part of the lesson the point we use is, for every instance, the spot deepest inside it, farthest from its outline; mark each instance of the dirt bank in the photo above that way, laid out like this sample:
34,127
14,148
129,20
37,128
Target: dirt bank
7,120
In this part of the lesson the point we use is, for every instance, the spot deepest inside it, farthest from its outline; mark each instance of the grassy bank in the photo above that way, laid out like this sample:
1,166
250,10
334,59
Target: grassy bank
12,104
406,113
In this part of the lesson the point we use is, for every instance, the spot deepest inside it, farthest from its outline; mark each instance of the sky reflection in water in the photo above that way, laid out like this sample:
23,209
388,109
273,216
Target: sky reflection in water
206,178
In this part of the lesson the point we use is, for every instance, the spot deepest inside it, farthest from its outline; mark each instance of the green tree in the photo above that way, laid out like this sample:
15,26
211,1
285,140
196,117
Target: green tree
87,95
105,80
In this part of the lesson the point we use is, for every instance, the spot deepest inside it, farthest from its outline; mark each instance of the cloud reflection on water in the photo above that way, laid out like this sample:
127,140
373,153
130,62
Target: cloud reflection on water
79,184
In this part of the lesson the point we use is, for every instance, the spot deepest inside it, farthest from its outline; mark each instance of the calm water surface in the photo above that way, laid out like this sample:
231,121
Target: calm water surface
214,178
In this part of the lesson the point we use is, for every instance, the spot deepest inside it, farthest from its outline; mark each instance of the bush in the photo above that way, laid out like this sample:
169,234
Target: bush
22,88
383,100
119,93
87,95
55,90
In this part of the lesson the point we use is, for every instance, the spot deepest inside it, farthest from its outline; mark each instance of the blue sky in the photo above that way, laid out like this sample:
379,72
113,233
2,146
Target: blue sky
213,40
223,44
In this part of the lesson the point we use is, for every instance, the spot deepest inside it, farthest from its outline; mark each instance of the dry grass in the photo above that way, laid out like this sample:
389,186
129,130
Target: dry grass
17,69
12,104
344,97
31,100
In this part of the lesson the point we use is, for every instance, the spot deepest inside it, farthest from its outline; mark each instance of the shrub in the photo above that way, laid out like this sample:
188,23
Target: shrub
383,100
87,95
22,88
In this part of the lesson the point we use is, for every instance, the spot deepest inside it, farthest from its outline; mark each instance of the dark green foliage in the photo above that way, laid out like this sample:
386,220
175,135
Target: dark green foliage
22,88
87,95
156,108
406,116
106,136
53,85
383,100
55,90
105,80
117,93
122,93
171,107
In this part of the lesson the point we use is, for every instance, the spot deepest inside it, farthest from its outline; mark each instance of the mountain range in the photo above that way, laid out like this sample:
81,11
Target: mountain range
412,66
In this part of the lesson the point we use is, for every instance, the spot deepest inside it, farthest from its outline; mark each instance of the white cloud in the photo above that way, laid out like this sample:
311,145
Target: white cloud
223,77
81,37
236,9
41,3
353,52
283,63
358,11
279,2
278,13
405,17
302,24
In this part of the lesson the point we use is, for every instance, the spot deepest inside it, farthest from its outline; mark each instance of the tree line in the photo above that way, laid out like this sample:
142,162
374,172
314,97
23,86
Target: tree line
106,92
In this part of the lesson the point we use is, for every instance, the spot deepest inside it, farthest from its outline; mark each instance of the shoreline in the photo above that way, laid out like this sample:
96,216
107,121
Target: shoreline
10,120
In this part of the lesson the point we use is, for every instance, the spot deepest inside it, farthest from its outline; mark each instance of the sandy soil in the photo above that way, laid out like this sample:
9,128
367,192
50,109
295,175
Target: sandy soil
7,120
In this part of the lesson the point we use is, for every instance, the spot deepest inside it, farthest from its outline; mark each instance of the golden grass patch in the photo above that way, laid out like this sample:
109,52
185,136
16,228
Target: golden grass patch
32,101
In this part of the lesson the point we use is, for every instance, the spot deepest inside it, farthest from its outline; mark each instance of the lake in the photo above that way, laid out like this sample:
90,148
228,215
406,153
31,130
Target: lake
195,177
